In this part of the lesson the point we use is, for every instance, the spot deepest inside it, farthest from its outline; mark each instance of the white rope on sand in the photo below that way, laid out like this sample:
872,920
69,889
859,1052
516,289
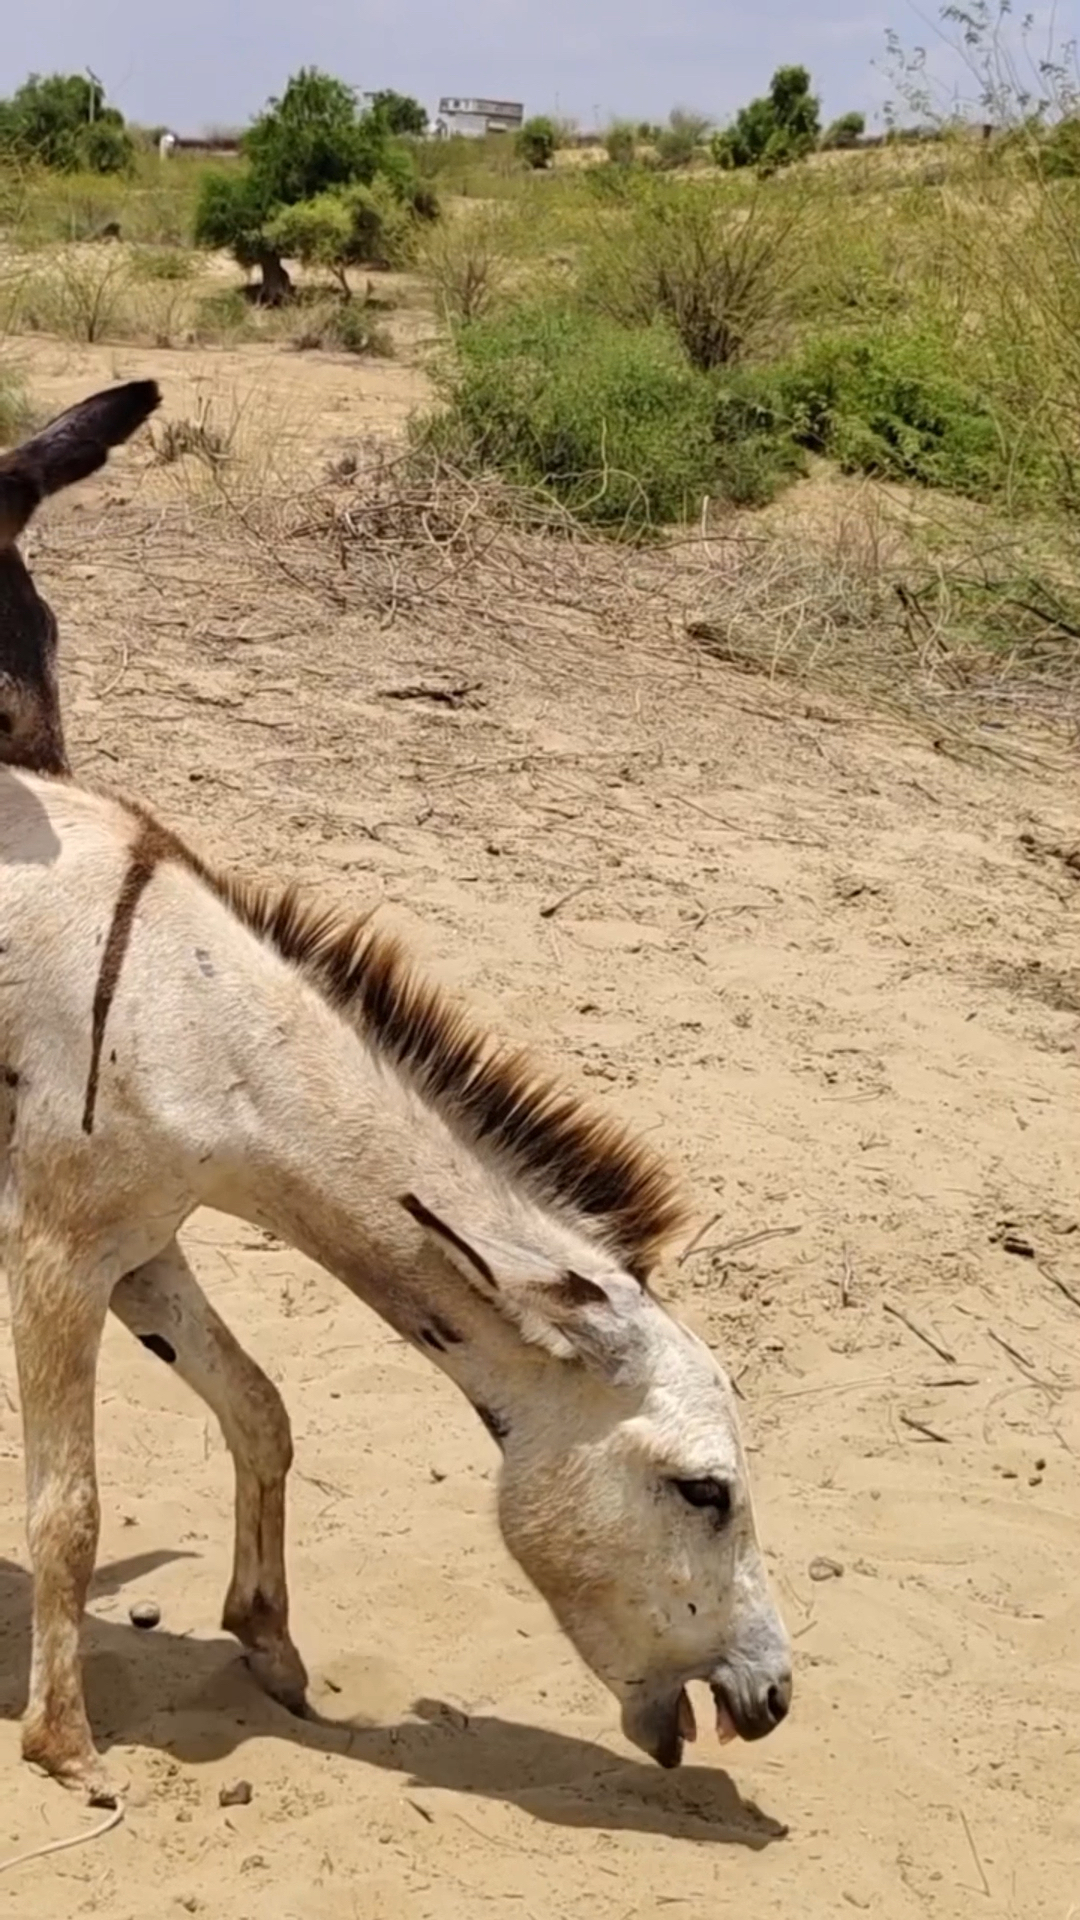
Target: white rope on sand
60,1846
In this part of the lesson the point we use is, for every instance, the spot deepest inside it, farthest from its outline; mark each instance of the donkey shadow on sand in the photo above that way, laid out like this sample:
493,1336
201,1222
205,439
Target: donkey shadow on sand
195,1701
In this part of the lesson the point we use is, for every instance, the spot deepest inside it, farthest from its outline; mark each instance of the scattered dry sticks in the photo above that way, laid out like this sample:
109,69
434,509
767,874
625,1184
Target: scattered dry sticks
927,1339
731,1246
1049,1273
923,1426
551,907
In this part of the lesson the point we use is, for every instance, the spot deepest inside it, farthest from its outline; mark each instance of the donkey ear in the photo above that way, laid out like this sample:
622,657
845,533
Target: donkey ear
571,1317
597,1324
469,1262
70,448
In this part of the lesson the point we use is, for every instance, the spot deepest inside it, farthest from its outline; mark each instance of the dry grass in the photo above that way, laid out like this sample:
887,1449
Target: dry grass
851,608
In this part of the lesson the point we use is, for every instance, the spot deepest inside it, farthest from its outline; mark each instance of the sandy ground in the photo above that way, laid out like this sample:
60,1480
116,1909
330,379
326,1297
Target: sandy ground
819,963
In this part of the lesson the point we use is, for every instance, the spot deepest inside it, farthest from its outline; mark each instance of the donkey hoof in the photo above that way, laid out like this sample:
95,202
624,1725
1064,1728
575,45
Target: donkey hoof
283,1676
83,1773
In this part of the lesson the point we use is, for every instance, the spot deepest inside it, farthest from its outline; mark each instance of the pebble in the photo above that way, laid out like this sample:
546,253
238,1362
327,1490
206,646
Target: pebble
821,1568
238,1795
145,1614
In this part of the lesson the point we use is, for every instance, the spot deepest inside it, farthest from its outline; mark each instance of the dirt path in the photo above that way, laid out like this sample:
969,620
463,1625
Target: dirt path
819,963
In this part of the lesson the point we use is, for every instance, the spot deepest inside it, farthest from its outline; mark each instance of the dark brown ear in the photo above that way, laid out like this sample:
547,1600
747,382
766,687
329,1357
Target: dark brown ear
31,733
70,448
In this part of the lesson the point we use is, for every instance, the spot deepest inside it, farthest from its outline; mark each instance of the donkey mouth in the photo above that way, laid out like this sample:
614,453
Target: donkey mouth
662,1728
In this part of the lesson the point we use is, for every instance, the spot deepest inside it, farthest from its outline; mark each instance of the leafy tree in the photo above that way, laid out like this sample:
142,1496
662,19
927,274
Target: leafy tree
313,138
305,149
62,121
847,131
399,113
775,129
537,141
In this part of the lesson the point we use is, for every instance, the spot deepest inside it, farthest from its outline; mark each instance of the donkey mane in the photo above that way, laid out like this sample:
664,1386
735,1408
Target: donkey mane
569,1156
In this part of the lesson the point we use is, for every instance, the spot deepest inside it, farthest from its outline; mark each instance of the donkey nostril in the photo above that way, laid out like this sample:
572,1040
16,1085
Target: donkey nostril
778,1700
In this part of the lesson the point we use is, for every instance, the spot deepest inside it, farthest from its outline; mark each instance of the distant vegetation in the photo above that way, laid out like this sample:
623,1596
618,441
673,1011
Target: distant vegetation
62,121
696,313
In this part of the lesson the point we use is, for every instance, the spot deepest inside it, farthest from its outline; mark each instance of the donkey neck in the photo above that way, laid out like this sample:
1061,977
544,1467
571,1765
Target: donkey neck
330,1143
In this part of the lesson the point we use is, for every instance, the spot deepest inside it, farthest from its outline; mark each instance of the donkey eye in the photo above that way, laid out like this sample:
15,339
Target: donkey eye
710,1493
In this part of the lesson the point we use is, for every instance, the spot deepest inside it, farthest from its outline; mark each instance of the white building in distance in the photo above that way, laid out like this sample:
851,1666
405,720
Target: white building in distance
460,113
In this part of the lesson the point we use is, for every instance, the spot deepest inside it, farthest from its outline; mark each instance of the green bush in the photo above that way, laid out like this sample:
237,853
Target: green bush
612,421
757,452
678,142
348,226
887,403
400,113
620,143
847,131
537,141
223,316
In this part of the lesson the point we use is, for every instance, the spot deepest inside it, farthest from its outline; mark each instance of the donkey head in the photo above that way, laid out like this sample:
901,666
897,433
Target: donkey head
623,1491
69,449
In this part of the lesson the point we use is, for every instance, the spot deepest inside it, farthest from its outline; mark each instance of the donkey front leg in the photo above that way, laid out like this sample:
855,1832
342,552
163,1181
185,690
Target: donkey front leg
163,1305
57,1314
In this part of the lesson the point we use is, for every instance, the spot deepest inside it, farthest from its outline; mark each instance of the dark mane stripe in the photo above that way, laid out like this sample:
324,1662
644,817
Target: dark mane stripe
566,1155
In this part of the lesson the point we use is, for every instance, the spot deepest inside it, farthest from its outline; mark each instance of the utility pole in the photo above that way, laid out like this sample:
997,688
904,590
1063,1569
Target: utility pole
95,83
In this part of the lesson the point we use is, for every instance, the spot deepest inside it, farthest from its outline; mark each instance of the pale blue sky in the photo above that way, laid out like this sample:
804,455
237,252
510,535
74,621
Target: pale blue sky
193,63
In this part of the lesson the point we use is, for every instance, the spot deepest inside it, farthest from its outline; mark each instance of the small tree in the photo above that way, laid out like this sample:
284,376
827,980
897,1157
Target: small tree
305,148
620,143
537,141
680,139
775,129
847,131
342,228
400,113
62,121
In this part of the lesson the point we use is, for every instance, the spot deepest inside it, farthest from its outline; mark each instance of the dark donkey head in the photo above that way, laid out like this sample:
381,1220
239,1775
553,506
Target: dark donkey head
69,449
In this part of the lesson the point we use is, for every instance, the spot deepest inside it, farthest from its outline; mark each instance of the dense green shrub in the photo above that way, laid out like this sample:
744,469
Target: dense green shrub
886,402
757,452
612,421
678,142
352,226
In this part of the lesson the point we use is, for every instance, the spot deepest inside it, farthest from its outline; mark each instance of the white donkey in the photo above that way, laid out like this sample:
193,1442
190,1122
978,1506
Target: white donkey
172,1038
